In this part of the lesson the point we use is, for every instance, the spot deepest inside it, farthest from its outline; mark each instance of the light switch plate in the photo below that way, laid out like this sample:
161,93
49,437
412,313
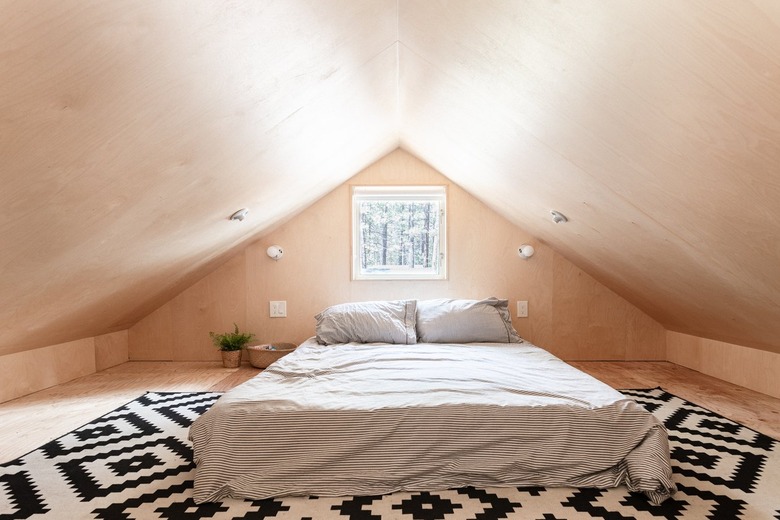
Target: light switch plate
522,308
278,309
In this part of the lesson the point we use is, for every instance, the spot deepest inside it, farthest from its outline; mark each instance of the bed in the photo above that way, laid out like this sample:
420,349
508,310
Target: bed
365,418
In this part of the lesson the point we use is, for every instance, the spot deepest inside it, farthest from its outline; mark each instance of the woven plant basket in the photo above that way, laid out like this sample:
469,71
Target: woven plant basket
260,356
231,358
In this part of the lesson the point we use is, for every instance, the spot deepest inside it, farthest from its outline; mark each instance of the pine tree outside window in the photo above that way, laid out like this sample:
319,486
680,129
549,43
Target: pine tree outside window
398,232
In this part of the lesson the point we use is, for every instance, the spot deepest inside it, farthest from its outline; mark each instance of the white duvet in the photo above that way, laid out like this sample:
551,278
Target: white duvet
359,419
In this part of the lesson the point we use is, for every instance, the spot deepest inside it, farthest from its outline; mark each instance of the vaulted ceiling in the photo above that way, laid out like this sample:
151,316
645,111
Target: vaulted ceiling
130,130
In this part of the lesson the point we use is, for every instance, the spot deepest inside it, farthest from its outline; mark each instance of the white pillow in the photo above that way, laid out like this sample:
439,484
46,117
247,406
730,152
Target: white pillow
465,321
368,322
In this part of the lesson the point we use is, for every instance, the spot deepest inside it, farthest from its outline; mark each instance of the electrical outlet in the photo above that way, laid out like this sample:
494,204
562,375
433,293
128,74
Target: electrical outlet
278,309
522,309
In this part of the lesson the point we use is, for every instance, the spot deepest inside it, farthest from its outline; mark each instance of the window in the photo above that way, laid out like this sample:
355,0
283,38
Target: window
398,232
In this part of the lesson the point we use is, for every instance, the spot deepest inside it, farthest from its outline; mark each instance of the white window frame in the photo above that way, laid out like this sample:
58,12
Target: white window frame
399,193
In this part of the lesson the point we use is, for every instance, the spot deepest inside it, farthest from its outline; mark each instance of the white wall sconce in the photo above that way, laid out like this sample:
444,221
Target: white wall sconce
240,214
526,251
558,217
274,252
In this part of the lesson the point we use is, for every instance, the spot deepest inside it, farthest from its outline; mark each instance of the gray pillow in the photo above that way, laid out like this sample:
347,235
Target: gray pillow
465,321
368,322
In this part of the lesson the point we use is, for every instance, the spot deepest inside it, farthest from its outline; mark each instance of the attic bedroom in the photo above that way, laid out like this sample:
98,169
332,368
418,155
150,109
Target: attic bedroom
131,132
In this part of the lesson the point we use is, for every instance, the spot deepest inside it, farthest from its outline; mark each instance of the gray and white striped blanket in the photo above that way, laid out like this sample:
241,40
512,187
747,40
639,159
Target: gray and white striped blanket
369,419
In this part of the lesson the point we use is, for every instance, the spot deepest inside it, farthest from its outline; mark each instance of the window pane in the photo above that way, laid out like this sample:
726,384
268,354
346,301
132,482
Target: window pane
399,233
399,236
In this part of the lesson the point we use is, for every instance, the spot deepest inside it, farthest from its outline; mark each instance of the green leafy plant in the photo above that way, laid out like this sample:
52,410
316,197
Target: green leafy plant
231,340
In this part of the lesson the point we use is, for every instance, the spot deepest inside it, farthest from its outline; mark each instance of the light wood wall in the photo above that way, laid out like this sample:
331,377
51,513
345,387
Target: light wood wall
25,372
743,366
570,313
179,330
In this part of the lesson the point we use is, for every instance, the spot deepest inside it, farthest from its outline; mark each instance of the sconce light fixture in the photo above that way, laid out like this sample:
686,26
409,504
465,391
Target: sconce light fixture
526,251
275,252
558,217
240,214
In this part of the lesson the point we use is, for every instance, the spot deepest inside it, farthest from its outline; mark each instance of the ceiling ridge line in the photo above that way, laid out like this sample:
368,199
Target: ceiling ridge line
398,68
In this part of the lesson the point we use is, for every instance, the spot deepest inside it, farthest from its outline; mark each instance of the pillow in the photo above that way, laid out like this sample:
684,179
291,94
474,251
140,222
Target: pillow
368,322
465,321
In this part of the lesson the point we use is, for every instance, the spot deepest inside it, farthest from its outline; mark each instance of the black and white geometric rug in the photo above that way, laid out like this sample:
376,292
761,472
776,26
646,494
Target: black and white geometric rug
136,463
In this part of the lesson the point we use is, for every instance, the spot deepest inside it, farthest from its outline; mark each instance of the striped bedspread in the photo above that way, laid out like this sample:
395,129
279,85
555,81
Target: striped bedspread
367,419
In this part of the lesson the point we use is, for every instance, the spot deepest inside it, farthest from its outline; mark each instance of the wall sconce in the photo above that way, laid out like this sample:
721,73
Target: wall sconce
240,214
526,251
275,252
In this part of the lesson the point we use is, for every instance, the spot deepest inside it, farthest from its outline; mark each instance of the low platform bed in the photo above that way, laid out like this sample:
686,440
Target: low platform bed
373,418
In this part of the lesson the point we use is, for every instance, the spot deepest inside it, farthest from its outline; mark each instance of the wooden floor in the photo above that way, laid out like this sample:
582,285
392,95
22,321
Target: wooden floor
30,421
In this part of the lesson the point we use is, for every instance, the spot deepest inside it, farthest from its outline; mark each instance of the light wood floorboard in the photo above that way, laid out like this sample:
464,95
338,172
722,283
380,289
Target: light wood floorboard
35,419
756,410
30,421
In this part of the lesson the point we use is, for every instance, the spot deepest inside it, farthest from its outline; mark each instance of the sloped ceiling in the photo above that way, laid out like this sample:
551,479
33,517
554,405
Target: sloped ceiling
131,130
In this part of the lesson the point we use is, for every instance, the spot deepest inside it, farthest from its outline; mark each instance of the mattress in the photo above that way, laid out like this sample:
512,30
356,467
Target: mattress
368,419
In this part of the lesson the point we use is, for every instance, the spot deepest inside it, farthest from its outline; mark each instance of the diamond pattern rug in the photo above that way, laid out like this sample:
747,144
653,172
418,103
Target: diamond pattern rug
136,463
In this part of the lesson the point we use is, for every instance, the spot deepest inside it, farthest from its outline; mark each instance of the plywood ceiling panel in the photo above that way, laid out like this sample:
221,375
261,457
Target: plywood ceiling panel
653,126
130,130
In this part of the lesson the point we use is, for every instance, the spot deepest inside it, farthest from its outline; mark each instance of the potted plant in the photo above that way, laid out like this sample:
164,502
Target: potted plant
231,343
